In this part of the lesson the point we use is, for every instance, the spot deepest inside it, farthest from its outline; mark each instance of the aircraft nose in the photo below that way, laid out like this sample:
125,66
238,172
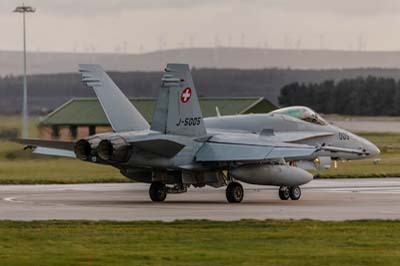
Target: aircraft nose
373,150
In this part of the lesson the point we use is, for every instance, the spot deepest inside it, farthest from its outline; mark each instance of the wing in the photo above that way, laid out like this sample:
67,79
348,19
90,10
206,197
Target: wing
250,147
49,147
220,152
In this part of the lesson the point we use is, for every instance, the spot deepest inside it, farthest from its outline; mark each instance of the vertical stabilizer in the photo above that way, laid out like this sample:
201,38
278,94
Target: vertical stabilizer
178,110
121,114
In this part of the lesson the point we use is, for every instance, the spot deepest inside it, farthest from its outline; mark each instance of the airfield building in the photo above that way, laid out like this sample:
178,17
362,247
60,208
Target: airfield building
81,117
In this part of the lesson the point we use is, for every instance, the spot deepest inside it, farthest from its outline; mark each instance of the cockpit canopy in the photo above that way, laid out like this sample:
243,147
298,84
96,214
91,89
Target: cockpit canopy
302,113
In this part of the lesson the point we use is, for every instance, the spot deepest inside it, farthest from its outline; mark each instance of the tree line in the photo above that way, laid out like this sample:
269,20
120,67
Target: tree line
48,91
374,96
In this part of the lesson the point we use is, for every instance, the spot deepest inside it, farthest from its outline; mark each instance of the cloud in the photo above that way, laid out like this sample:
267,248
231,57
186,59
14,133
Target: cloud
111,8
337,7
104,7
107,25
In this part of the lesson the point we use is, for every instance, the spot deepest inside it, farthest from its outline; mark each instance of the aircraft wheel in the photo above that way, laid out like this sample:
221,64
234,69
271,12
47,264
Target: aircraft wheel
295,193
284,193
234,192
157,192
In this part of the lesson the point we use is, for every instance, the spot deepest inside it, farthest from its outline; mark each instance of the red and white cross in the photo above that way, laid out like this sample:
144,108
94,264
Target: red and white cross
186,94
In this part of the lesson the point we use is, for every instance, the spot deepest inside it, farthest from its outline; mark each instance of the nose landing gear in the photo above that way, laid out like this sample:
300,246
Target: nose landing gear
284,193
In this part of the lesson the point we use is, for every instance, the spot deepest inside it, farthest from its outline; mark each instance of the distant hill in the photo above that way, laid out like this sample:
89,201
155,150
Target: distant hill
223,57
48,91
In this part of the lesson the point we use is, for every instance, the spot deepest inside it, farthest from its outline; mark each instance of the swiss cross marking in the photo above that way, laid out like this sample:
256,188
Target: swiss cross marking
186,94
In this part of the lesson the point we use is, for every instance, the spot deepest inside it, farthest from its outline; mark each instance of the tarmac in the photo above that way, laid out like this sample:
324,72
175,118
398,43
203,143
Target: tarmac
344,199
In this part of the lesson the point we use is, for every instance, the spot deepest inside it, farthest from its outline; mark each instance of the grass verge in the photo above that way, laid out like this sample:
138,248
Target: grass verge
200,243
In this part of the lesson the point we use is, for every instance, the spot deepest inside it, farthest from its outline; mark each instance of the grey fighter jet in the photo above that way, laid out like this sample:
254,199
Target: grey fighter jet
178,150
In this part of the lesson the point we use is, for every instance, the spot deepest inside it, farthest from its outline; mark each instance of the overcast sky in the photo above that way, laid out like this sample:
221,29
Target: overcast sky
140,26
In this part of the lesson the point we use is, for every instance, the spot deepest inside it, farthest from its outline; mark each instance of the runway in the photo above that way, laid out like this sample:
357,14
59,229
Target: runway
321,199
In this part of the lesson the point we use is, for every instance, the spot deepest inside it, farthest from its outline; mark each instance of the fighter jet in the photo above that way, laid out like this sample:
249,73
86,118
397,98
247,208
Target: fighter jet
178,151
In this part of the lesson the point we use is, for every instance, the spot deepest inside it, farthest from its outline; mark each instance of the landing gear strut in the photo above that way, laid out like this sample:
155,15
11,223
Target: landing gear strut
294,193
158,192
234,192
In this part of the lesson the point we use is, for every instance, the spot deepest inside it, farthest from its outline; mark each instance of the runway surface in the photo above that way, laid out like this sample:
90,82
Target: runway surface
322,199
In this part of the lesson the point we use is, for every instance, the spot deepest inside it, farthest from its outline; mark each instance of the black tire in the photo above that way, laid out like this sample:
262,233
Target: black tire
284,193
234,192
157,192
295,193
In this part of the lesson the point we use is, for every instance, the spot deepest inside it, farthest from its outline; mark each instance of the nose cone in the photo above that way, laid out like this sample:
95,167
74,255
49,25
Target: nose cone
369,148
373,150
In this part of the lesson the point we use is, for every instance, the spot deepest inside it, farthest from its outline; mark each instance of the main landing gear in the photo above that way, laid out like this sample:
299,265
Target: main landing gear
294,193
158,191
234,192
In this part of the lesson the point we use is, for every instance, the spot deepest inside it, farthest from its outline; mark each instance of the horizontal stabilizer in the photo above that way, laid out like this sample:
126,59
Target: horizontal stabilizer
54,152
49,147
62,145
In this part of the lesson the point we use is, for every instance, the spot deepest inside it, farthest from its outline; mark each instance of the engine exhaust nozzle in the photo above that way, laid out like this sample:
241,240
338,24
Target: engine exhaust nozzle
116,150
83,150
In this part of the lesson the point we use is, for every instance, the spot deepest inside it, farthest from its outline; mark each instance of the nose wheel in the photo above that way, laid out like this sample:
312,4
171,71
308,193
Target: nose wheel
284,193
234,192
293,193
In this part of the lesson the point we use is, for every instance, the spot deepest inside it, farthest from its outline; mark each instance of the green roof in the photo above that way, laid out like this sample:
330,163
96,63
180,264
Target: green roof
88,111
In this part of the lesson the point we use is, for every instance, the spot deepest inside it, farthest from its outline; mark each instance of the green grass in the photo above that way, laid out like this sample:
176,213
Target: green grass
56,171
300,243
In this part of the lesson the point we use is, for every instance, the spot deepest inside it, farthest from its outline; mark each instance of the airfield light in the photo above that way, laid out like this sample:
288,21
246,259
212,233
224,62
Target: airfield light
24,9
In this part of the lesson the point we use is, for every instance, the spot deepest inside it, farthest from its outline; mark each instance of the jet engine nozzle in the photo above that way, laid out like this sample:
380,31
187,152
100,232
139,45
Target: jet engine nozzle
117,150
83,150
277,175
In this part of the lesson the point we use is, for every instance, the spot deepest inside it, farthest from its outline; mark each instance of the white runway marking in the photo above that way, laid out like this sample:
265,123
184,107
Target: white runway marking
12,199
